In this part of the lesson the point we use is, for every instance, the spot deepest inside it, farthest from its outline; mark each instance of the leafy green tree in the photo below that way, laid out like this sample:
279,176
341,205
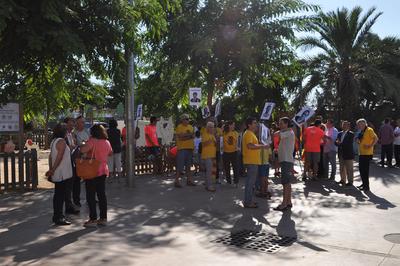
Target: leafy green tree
341,36
235,47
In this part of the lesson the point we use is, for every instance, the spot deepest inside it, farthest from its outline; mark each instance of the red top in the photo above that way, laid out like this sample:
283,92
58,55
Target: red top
150,131
173,151
123,135
312,139
276,140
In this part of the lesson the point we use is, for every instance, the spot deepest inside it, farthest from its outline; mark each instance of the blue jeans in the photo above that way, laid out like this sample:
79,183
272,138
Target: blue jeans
252,173
263,171
330,158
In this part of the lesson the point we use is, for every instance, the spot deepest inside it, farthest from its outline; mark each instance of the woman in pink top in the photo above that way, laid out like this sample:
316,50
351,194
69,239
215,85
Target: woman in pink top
101,148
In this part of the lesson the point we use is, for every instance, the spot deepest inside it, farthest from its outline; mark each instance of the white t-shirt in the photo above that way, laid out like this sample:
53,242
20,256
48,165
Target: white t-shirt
196,145
82,136
286,146
397,139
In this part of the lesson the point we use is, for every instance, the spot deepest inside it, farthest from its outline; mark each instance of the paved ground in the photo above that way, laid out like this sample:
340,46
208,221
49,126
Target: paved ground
155,224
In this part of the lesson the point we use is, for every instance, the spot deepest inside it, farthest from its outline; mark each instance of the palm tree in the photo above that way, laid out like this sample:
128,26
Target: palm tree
342,33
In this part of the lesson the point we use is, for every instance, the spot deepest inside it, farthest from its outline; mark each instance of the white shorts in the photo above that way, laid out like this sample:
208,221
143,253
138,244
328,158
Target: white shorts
114,163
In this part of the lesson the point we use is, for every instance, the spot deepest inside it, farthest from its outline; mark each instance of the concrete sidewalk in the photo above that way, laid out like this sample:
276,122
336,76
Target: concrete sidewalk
156,224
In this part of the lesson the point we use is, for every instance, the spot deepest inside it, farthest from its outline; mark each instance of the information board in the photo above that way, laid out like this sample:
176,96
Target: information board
9,117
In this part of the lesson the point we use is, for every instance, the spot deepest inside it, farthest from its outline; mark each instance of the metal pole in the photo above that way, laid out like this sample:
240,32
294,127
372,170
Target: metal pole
130,127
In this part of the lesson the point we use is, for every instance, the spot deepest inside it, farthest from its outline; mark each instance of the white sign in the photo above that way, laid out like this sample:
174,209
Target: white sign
265,136
218,109
139,111
205,111
9,117
267,111
195,97
302,116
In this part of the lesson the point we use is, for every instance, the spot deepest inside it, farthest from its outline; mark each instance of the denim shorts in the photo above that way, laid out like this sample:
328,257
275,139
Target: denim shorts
286,172
184,159
263,170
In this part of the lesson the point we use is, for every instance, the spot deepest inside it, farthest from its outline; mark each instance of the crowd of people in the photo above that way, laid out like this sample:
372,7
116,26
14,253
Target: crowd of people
250,152
215,150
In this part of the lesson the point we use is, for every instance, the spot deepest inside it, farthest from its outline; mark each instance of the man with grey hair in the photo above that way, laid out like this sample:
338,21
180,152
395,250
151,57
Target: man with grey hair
366,141
345,141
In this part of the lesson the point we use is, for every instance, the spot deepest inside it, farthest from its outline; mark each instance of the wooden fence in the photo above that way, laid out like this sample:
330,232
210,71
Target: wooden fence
144,164
18,171
39,137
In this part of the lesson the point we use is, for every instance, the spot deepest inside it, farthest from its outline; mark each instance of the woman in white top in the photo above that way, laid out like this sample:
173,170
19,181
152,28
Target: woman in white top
397,143
60,171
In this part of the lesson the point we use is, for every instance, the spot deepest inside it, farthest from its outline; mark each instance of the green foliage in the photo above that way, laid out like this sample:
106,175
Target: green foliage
239,48
355,67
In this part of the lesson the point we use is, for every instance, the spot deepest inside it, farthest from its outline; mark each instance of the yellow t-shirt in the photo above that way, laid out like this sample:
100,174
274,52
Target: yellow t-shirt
250,156
265,154
219,132
184,144
368,138
210,150
230,141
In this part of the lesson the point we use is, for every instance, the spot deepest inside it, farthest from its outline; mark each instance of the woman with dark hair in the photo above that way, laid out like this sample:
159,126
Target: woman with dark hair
100,147
60,171
114,137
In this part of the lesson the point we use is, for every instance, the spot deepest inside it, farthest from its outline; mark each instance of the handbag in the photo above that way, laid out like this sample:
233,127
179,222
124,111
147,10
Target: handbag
87,168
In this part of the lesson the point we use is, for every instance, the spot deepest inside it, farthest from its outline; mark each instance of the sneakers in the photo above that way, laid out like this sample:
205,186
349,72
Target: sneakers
90,223
102,222
61,221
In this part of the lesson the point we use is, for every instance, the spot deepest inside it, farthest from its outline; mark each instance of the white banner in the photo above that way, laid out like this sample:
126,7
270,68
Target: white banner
218,109
9,117
267,111
139,112
302,116
205,112
265,136
195,97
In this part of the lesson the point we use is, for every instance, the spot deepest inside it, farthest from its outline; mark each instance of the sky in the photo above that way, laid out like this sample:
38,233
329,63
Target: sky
386,25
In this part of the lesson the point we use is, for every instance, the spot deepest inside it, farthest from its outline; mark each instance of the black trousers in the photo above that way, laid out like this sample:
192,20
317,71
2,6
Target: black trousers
387,151
397,154
68,194
76,190
230,159
363,166
60,190
96,186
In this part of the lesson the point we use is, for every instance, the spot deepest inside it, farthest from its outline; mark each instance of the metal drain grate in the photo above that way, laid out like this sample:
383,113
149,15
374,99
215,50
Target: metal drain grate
257,241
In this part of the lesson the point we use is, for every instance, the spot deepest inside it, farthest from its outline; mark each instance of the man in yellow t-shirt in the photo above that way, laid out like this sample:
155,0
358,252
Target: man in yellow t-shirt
208,153
366,141
230,156
184,134
251,159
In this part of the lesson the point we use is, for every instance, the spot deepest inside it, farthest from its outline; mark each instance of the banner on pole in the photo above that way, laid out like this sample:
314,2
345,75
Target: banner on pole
267,111
302,116
195,97
265,135
139,112
218,109
205,112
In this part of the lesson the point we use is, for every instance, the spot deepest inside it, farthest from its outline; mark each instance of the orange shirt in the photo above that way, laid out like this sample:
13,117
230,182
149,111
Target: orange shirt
151,131
313,138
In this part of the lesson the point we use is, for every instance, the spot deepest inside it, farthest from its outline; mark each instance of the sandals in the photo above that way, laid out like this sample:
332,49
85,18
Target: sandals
250,206
191,184
279,208
210,189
